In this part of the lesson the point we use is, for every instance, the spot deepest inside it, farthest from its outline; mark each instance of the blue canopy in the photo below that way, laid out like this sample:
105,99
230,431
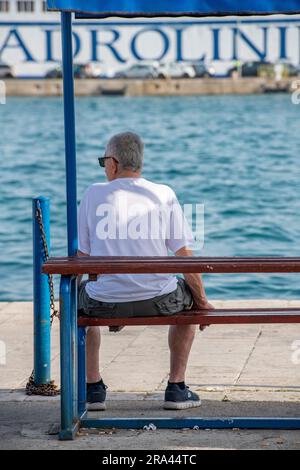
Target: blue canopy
176,7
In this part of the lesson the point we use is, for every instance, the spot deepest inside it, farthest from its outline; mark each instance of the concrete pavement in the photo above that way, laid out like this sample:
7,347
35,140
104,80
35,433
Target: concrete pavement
238,370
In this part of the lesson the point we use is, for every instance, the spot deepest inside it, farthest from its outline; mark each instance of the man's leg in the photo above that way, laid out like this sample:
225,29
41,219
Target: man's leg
181,338
93,341
177,394
96,389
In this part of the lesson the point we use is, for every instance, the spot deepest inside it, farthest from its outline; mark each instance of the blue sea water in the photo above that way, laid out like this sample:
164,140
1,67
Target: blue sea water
239,156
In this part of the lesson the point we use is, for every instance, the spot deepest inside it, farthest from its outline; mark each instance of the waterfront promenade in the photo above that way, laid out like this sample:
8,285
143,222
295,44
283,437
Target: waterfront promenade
237,369
150,87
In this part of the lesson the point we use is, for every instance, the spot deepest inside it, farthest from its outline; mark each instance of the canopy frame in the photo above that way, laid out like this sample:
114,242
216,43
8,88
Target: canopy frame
129,8
72,237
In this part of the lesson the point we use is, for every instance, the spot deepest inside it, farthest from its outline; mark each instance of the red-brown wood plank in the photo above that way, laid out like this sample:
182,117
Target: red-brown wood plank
169,264
218,316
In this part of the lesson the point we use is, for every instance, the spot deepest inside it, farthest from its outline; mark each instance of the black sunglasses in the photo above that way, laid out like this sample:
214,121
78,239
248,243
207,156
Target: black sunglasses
101,160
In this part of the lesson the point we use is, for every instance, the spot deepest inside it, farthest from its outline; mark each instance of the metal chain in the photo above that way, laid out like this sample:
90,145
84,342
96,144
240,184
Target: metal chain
51,388
39,216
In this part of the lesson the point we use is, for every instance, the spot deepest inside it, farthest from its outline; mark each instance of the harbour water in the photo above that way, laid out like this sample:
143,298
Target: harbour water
239,156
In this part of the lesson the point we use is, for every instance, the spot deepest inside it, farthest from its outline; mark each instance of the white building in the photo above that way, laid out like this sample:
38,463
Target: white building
30,39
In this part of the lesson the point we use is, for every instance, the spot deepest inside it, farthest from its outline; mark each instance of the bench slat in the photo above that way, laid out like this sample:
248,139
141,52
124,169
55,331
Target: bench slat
123,265
217,316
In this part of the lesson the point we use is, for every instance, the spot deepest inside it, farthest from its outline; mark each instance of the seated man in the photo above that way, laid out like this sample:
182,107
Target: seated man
131,216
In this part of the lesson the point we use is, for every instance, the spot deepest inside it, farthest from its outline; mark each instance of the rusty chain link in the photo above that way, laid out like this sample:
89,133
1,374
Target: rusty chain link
51,388
54,311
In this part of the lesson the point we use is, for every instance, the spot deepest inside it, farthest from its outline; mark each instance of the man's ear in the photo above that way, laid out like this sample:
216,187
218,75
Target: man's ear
115,167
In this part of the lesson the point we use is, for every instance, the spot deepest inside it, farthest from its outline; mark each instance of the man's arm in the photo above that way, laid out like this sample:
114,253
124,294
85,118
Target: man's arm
195,283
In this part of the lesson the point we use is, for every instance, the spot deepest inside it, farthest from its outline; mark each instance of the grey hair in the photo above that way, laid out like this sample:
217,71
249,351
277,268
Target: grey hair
128,149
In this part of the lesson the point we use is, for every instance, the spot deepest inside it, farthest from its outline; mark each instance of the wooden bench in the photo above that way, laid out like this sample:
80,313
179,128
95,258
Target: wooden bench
73,372
94,266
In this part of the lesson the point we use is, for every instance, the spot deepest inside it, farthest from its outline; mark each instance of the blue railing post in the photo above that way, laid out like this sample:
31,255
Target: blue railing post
41,294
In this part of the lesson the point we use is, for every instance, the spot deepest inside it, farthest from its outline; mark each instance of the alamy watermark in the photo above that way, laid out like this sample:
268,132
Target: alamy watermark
2,353
295,97
295,356
2,92
150,221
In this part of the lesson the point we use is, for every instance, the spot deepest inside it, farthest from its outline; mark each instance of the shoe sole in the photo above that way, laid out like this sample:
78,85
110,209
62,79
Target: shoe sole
181,405
98,406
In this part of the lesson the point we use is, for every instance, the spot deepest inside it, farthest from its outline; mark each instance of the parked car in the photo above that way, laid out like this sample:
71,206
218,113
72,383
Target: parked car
6,71
175,70
287,69
253,69
203,71
138,71
54,73
92,70
88,70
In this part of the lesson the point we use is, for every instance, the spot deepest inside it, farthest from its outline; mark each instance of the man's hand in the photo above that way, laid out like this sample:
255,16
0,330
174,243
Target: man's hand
205,305
194,282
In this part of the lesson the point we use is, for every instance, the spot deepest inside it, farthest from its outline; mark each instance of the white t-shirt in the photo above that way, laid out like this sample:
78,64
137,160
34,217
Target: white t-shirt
131,217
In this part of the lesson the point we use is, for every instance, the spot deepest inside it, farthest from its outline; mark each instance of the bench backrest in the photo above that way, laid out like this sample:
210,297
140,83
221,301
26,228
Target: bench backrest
94,265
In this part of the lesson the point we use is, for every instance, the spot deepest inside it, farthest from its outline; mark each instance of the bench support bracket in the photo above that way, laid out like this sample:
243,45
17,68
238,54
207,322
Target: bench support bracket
73,386
201,423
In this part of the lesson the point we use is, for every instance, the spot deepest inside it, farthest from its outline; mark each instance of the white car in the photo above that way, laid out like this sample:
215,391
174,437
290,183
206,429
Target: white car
93,70
175,70
140,70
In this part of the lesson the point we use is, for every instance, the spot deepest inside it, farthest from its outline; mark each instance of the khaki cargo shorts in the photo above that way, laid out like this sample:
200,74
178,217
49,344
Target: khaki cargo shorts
168,304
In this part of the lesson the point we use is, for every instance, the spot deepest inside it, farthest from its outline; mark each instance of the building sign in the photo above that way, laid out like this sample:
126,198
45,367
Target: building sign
34,47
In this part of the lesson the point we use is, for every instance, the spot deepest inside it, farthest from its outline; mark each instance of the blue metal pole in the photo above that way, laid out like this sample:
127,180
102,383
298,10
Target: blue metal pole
41,295
68,340
74,334
81,371
70,139
193,422
69,421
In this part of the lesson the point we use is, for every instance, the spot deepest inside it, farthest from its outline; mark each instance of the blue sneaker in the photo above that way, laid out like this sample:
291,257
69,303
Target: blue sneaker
96,395
180,399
